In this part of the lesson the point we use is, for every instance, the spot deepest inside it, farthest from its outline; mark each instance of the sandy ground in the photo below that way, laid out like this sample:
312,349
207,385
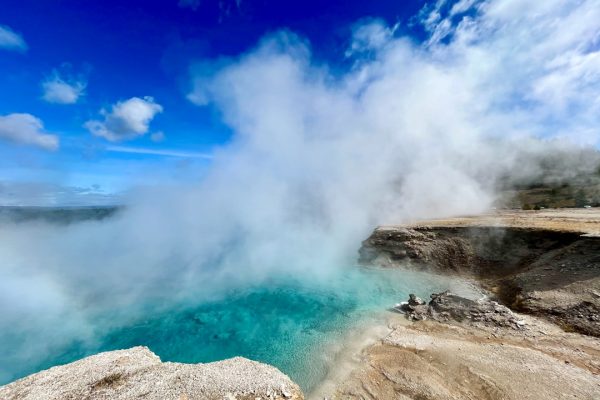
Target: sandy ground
431,360
348,354
583,220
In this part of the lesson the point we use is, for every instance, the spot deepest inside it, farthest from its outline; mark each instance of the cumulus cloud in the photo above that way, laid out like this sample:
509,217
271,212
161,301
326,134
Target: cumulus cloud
63,91
540,59
27,130
126,120
10,40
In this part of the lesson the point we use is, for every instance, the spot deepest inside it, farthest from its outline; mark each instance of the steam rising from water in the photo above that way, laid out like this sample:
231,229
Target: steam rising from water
318,158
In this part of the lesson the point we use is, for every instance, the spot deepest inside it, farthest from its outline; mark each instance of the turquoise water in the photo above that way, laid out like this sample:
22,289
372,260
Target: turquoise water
285,322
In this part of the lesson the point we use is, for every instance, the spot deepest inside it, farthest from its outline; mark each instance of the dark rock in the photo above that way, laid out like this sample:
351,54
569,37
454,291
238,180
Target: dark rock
446,306
413,300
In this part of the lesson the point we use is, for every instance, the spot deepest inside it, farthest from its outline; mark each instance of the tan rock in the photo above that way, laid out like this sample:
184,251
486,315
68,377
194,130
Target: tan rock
137,373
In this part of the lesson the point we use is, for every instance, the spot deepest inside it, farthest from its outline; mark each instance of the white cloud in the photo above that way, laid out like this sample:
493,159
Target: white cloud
370,36
127,119
61,91
462,6
27,130
436,123
10,40
542,59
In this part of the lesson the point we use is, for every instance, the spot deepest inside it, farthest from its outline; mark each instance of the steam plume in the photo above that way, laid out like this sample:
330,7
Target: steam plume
319,158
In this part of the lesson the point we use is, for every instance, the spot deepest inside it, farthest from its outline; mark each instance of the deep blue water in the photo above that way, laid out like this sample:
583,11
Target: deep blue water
284,322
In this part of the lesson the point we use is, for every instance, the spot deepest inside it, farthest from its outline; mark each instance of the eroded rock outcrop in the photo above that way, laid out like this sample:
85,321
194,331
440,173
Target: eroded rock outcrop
543,272
137,373
456,348
445,307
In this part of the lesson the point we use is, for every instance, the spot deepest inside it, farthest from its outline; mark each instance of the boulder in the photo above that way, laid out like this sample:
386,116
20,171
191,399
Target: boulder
413,300
445,307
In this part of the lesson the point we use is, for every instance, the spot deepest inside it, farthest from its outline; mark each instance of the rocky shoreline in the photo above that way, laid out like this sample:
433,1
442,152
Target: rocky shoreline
541,271
533,336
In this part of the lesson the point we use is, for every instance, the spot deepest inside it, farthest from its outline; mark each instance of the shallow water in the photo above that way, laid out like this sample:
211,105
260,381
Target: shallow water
286,322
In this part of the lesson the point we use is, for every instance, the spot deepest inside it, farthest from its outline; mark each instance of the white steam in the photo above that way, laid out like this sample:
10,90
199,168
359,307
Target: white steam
319,158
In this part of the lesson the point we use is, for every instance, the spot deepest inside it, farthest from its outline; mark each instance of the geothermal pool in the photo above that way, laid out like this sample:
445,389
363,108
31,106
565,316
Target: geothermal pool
285,322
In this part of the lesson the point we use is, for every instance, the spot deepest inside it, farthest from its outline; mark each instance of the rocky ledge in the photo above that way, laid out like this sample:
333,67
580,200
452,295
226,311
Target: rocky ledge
139,373
533,334
530,264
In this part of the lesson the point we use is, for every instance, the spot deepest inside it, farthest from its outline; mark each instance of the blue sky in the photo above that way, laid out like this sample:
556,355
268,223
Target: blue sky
97,97
73,59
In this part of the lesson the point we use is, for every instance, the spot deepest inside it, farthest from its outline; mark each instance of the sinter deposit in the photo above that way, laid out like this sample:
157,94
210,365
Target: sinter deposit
137,373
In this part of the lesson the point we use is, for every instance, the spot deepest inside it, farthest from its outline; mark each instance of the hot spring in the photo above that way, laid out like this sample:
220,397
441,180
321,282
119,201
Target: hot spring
287,322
